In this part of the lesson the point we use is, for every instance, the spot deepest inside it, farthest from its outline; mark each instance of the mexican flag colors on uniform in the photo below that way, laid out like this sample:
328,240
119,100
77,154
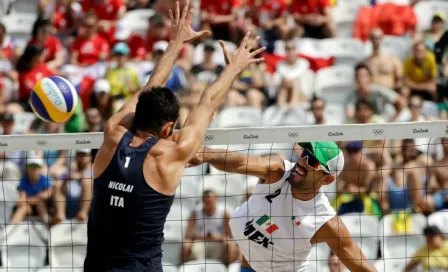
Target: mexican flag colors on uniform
266,223
295,220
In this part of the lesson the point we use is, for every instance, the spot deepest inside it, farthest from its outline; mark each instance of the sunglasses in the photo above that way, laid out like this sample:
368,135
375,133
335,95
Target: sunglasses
313,162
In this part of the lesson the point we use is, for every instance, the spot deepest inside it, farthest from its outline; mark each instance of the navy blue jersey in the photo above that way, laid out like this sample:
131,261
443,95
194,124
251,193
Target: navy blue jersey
127,217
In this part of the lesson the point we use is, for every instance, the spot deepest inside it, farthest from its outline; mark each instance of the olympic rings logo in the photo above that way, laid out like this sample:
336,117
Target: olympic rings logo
378,131
41,143
293,134
209,137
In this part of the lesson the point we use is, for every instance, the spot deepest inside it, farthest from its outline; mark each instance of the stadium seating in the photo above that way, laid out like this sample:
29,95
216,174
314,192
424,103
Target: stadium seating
202,266
23,121
189,190
347,51
335,83
364,230
277,116
136,21
52,269
239,117
424,10
68,244
19,26
8,199
174,232
440,219
218,56
169,267
393,45
23,6
24,245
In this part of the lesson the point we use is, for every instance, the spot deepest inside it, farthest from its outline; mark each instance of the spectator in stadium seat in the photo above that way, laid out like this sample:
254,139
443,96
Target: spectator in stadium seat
433,255
318,109
334,264
315,18
177,80
356,183
249,87
387,70
221,18
420,71
89,48
404,189
7,50
378,97
290,90
94,123
73,194
108,13
137,50
435,32
31,68
35,189
270,17
440,174
208,235
11,161
65,17
102,99
158,30
123,79
42,36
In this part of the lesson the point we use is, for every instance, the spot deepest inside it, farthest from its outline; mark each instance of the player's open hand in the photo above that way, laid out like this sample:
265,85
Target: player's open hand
244,55
181,30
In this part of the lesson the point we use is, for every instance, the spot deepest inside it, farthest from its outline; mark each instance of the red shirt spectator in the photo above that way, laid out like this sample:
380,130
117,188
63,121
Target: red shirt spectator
65,16
266,9
52,46
158,30
137,47
6,48
305,7
89,49
31,69
106,10
221,7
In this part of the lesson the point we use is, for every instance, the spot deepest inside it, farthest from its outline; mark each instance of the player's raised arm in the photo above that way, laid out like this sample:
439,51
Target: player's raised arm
181,32
270,169
336,235
191,136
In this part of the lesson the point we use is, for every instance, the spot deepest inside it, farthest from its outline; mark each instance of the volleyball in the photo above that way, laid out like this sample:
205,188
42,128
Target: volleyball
54,99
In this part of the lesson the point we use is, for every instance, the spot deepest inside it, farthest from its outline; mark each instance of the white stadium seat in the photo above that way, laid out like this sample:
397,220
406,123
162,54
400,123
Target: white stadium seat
401,247
307,82
235,267
25,245
335,84
347,51
203,266
218,56
277,116
239,117
284,149
169,267
53,269
390,265
440,219
364,230
23,121
68,244
8,198
172,246
23,6
424,11
19,26
392,45
137,20
189,190
430,109
345,14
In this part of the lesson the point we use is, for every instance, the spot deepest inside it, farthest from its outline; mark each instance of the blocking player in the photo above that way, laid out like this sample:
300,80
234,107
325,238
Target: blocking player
287,212
139,165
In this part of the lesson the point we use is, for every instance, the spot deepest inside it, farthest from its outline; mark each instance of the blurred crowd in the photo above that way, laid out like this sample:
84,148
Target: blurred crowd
108,49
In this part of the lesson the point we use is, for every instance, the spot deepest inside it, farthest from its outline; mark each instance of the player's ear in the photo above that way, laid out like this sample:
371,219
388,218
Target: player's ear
167,130
328,179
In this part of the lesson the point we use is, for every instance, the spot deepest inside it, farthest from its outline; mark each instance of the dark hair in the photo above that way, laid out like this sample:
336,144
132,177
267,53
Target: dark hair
208,193
2,26
25,61
363,66
39,24
364,102
431,231
155,107
316,98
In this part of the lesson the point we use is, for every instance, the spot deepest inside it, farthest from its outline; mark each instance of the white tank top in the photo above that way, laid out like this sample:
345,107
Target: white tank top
274,230
210,224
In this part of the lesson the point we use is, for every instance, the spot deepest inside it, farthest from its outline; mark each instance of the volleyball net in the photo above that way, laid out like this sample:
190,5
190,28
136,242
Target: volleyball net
393,185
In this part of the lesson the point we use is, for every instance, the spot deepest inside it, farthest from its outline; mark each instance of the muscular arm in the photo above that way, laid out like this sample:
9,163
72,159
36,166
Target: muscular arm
269,169
336,235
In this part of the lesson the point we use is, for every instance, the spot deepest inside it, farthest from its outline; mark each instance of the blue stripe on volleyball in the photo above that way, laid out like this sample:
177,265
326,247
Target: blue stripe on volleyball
39,106
65,90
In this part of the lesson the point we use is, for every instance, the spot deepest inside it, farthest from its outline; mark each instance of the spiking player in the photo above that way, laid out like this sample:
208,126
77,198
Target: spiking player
287,212
140,163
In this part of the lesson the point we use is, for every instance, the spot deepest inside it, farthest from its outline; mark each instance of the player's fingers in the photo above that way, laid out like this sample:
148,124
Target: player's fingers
250,46
190,15
185,11
223,45
257,60
177,12
204,33
258,51
244,42
170,12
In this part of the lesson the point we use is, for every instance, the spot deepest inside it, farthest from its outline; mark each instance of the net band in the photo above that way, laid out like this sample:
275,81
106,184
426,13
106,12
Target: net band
432,129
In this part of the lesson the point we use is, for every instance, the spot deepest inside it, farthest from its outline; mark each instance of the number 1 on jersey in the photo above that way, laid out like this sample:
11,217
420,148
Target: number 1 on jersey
126,163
